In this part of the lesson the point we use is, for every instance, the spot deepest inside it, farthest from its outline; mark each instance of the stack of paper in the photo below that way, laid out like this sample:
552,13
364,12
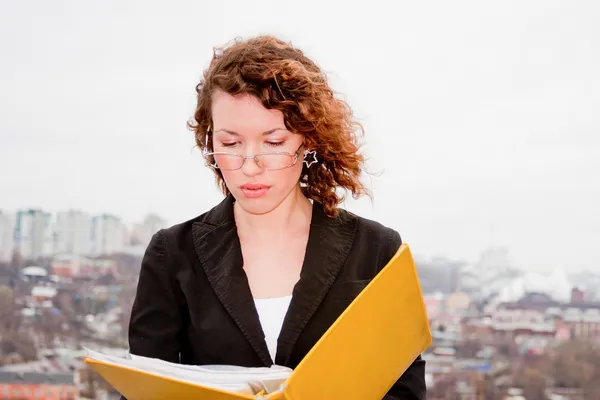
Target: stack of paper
243,380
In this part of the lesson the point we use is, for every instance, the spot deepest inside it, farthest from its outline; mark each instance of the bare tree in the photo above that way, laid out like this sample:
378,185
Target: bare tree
445,387
575,364
64,303
469,348
17,261
51,324
532,381
18,343
7,309
507,347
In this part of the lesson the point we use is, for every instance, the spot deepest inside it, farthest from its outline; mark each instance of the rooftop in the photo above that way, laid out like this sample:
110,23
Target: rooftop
37,378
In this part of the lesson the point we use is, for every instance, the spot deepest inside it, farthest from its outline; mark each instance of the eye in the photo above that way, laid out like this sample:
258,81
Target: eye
228,144
276,144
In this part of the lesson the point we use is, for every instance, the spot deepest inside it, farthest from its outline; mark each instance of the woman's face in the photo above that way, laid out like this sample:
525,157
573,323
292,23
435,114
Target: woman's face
242,126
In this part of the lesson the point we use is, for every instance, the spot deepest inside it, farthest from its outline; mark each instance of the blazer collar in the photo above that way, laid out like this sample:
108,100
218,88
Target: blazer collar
218,248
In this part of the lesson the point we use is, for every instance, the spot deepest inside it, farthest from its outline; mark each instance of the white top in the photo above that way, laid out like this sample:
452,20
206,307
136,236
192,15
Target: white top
271,313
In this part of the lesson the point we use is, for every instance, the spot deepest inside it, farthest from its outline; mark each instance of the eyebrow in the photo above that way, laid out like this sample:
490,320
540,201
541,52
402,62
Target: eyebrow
265,133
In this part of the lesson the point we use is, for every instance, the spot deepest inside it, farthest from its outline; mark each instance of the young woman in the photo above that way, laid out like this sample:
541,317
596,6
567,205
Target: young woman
260,277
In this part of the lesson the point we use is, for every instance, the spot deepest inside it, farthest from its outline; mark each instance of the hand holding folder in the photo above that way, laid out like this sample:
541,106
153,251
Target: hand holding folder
359,357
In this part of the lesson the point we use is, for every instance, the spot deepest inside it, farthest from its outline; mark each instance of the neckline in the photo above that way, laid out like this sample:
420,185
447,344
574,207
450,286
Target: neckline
264,299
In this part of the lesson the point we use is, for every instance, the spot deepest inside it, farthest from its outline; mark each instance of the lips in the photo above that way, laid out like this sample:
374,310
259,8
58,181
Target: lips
254,190
254,186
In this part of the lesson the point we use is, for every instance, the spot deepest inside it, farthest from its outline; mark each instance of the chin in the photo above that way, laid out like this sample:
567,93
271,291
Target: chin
260,206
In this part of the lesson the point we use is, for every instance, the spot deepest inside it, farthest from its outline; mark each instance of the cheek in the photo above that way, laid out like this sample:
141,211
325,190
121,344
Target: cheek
229,176
289,176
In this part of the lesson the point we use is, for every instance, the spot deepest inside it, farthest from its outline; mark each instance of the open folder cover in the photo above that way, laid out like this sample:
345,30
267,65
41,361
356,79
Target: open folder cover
359,357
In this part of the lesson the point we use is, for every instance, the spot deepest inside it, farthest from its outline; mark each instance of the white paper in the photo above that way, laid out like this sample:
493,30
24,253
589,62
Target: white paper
245,380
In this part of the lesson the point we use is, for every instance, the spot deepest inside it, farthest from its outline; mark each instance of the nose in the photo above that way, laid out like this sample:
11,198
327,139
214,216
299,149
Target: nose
250,167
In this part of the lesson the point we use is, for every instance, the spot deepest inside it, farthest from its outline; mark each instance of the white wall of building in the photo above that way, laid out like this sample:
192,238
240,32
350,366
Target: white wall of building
73,231
108,235
33,234
152,223
7,232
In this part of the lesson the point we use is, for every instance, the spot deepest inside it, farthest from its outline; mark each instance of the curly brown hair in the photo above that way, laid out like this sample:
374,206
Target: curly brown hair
284,79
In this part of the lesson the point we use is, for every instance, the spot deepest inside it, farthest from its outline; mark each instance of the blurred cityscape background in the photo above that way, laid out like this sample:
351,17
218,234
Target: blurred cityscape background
67,280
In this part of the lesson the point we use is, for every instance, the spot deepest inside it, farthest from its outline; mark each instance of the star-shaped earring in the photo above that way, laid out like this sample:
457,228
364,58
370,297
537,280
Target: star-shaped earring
307,154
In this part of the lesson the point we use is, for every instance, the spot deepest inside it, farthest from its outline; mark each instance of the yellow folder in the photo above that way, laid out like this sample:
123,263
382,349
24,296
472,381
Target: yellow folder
359,357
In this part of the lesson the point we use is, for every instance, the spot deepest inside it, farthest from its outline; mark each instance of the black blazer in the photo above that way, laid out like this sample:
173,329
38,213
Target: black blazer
194,306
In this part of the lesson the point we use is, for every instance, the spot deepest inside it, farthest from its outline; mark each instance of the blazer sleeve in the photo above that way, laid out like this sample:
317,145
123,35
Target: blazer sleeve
155,324
411,385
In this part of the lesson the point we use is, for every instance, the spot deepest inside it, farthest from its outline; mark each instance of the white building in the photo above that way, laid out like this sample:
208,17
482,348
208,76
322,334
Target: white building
33,234
526,320
142,233
73,230
41,293
7,232
108,235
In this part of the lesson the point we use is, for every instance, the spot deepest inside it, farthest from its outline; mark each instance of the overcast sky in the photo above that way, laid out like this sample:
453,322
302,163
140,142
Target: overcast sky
482,117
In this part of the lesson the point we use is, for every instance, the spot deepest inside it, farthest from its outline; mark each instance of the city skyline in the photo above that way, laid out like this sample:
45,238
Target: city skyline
140,230
36,233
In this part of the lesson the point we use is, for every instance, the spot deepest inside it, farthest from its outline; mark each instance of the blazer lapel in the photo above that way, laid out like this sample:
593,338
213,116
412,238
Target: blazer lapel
329,243
218,248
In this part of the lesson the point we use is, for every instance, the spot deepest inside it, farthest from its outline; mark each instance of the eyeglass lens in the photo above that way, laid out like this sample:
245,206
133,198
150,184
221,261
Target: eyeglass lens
265,161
